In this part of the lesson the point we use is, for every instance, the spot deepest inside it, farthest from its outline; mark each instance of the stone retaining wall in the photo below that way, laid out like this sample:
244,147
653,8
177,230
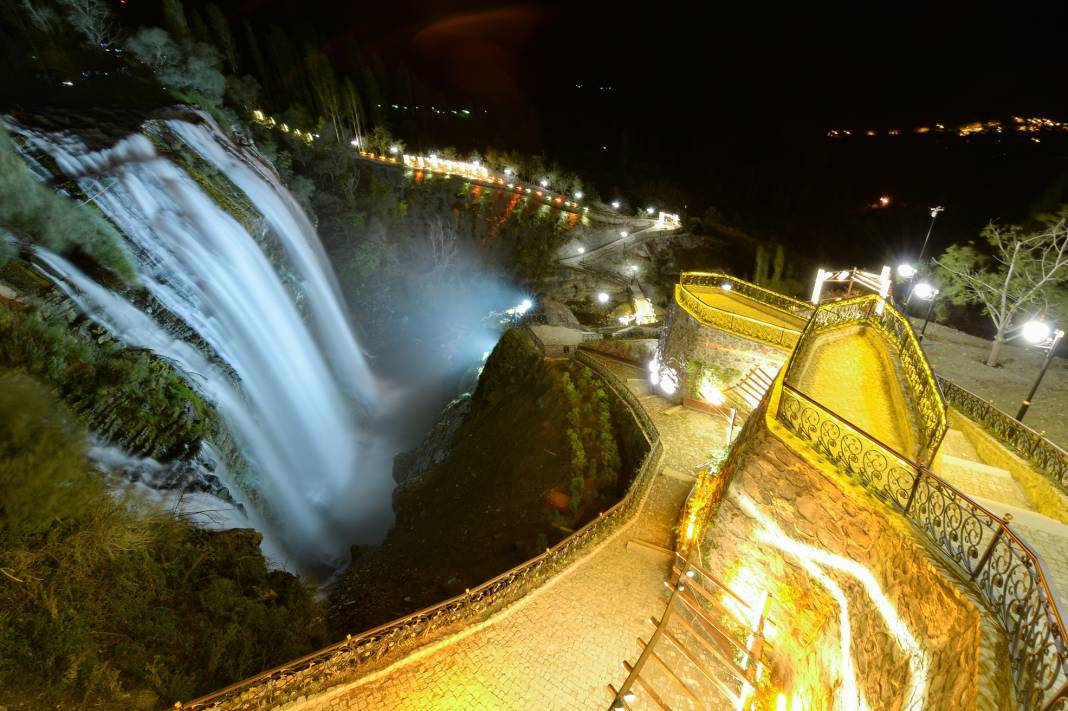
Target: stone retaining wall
685,339
815,541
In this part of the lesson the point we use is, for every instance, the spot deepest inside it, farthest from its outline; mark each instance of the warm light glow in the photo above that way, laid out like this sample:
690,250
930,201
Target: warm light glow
884,200
924,291
1036,331
813,560
906,271
726,286
643,310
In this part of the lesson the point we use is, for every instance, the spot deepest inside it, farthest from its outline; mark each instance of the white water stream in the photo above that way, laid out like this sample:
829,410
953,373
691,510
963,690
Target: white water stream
300,383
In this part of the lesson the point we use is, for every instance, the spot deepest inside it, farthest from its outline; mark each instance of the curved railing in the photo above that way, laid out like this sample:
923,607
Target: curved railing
1046,457
923,391
976,542
737,324
338,663
787,304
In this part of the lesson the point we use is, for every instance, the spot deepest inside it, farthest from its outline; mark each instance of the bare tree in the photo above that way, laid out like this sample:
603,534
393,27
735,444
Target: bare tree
154,47
1023,269
92,19
441,238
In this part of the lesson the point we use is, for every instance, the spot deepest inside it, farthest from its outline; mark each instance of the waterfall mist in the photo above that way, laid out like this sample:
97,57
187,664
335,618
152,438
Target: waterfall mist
274,349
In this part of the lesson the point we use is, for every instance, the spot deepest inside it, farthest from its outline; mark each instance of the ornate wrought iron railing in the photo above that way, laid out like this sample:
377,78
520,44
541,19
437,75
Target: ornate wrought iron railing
340,662
731,322
786,304
922,388
978,543
1046,457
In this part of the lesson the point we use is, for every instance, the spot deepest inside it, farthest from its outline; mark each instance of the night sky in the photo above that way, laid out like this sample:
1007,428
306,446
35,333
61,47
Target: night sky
730,108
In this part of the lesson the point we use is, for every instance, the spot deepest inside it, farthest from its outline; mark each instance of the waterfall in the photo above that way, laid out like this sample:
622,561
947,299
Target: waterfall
301,384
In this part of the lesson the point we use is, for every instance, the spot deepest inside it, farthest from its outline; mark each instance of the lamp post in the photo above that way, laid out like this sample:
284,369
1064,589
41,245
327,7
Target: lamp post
602,299
1037,332
934,215
927,292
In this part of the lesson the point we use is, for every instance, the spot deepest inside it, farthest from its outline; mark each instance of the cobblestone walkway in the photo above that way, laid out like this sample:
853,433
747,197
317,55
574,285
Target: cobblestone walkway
560,647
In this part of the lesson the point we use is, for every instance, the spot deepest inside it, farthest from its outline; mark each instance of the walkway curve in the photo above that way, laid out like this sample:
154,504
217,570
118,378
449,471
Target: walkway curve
561,646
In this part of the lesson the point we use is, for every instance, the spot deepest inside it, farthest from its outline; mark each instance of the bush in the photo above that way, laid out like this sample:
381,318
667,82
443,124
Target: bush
112,603
32,211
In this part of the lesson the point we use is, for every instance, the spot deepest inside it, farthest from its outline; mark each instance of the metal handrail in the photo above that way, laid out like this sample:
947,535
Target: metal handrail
1008,573
873,310
561,554
785,303
727,320
1045,456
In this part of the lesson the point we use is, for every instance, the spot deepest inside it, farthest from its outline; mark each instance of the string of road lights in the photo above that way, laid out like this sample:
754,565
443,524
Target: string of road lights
473,170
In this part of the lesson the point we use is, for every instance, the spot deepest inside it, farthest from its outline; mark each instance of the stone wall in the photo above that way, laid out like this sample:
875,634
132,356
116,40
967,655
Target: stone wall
686,340
814,541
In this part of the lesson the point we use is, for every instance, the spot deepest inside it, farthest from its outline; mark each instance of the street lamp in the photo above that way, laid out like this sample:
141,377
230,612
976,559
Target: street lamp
934,215
544,182
394,149
650,210
581,251
906,271
926,292
602,297
578,194
1039,333
616,204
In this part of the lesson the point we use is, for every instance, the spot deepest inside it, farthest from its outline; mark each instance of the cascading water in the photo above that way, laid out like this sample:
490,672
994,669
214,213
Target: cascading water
300,387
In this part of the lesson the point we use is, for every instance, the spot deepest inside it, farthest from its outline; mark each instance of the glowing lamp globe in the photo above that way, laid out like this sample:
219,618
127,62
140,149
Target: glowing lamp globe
578,194
924,290
1036,331
615,204
602,297
726,286
649,210
624,234
394,149
906,271
581,250
543,182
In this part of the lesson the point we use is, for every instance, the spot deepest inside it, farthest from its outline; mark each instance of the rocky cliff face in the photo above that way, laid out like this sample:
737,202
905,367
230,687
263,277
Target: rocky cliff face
435,446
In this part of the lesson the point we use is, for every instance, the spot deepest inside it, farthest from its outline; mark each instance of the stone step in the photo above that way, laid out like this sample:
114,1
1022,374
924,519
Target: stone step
956,443
973,465
981,480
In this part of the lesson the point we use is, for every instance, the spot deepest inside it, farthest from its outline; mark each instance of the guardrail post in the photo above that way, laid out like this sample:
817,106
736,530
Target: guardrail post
912,492
990,548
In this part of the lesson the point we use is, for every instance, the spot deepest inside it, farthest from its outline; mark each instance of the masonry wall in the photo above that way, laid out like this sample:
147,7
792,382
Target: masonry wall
686,340
774,530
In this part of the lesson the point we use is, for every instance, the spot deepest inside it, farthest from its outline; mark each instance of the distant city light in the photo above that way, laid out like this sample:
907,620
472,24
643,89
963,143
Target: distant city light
1036,331
906,271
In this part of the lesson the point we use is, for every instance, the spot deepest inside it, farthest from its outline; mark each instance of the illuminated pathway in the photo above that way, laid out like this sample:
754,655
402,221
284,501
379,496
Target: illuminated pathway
559,647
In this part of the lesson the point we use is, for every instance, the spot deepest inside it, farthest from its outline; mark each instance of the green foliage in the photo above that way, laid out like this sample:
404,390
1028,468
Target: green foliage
595,460
108,602
129,396
1017,272
33,212
514,359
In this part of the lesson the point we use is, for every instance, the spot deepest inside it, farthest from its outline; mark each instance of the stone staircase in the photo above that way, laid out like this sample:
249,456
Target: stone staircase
960,464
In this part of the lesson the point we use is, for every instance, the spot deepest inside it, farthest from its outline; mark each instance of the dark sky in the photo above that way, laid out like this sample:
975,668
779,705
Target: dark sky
888,63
